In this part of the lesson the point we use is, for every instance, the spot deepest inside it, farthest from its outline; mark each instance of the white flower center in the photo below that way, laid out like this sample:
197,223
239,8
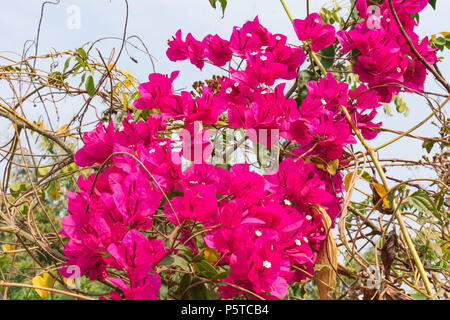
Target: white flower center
236,84
152,151
399,69
308,217
323,101
162,143
258,233
254,53
229,90
249,35
263,58
305,239
264,92
317,21
287,202
278,38
267,264
388,20
298,242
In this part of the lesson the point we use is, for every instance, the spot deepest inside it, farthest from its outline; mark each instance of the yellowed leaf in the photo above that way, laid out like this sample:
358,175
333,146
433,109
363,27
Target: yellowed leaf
45,281
333,166
63,130
125,101
445,33
348,178
54,192
69,282
9,247
211,255
327,257
379,188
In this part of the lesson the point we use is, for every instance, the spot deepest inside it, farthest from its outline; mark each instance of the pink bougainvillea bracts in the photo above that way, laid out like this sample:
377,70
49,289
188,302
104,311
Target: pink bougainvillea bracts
260,226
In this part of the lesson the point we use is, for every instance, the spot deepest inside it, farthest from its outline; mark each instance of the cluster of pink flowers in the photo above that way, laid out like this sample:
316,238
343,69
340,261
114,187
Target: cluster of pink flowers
382,55
261,226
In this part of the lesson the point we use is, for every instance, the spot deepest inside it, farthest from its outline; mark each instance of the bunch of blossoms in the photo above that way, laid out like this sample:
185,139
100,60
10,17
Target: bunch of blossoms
263,229
382,55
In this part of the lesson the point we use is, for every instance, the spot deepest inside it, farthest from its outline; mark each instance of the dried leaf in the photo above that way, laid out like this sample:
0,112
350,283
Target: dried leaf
389,251
326,276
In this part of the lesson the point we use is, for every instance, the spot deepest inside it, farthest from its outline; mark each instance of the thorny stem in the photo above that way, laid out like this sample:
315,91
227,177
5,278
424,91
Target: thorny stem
397,213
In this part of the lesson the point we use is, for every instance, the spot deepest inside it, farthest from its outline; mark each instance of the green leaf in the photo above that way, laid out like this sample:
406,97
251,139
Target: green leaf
66,65
328,52
184,283
432,4
223,4
198,292
174,260
162,293
419,296
213,3
428,145
440,41
423,203
203,268
221,275
82,53
90,87
303,78
43,171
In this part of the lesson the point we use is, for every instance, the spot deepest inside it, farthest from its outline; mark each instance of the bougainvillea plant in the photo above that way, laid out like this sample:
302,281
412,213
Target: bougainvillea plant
158,222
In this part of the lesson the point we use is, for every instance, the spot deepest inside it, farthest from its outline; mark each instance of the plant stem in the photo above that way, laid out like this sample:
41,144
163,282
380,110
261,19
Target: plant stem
397,213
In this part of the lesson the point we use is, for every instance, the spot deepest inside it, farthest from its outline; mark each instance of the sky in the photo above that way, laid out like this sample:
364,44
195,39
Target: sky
155,21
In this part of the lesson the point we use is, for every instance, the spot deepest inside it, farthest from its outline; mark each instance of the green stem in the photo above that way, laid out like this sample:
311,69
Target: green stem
397,213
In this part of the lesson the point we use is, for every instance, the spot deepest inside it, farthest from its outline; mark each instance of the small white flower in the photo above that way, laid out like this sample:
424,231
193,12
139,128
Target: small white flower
388,20
267,264
287,202
193,181
278,38
298,242
317,21
236,84
249,35
162,143
258,233
238,28
254,53
323,101
264,92
263,58
305,239
308,217
322,229
399,69
152,151
229,90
